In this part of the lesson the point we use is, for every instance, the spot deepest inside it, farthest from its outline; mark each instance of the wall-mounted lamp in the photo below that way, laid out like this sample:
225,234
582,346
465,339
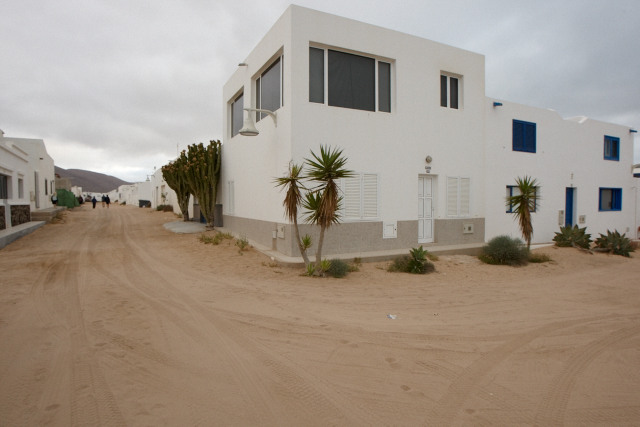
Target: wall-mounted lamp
243,64
633,131
249,127
428,160
497,104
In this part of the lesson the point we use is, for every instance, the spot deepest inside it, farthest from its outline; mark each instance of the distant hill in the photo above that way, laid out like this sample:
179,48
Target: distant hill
91,182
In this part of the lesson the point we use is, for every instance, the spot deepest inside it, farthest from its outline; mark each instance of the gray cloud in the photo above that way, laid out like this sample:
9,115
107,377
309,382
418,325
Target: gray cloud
118,86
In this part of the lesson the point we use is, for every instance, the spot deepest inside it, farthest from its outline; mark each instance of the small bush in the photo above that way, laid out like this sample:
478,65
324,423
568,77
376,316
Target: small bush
243,244
206,239
505,250
616,243
355,264
539,258
338,268
311,269
164,208
219,237
325,264
416,263
573,236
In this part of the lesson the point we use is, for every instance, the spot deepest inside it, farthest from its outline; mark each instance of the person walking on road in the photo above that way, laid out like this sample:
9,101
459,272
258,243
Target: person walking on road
94,201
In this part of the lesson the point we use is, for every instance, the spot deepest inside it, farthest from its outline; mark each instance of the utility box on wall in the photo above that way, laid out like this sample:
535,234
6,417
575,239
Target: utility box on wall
467,228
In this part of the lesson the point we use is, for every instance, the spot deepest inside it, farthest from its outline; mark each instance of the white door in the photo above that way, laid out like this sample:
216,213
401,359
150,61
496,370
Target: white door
425,209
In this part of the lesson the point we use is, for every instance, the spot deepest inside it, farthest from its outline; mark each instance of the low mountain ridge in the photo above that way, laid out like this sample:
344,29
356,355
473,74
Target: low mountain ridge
91,182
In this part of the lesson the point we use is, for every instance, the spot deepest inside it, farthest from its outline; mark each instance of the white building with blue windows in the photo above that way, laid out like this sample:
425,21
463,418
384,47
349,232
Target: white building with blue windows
433,157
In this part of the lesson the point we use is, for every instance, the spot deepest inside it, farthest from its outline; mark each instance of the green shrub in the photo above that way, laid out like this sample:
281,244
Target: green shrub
206,239
538,258
164,208
311,269
219,237
505,250
573,236
616,243
338,268
355,264
243,244
416,263
66,198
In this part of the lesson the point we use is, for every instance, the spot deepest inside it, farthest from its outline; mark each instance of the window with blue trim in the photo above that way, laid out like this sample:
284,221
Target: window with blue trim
611,148
610,199
524,136
513,190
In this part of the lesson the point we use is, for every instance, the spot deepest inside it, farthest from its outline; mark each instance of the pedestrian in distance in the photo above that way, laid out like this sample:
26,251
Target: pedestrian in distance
104,200
108,200
94,201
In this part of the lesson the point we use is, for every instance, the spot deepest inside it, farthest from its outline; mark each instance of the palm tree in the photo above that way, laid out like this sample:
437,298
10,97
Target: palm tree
523,204
323,202
292,199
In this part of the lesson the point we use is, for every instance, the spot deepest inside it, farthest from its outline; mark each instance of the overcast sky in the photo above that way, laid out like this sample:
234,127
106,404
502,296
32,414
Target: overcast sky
118,86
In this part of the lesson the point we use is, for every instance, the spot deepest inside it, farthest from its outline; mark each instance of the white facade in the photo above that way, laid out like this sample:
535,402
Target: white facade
432,163
26,174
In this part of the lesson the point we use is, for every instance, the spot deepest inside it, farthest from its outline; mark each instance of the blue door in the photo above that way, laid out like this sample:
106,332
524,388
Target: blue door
568,210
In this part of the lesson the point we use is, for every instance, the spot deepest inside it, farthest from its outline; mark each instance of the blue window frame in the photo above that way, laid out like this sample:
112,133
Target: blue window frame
610,199
513,190
611,148
524,136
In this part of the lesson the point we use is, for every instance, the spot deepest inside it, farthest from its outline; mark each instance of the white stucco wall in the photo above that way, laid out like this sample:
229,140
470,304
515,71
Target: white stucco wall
394,145
26,158
569,153
474,141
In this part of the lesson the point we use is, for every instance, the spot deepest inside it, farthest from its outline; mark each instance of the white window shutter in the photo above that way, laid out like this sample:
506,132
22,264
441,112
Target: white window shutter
351,197
369,195
465,196
452,196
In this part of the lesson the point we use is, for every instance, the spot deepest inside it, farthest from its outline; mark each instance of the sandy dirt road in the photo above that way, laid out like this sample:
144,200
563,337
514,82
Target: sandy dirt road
109,319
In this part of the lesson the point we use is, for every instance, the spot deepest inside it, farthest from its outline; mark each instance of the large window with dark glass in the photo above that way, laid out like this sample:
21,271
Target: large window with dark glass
352,81
237,114
269,89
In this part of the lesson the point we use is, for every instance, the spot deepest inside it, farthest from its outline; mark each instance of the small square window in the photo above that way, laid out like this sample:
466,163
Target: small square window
610,199
449,91
524,136
611,148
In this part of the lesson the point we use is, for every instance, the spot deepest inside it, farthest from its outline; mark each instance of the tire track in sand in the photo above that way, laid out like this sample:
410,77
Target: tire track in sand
448,406
257,370
553,406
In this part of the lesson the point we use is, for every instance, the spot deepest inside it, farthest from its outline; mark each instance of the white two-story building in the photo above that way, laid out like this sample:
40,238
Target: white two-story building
433,157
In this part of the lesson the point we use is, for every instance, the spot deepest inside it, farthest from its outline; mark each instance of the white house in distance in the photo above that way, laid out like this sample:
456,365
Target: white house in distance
27,179
434,157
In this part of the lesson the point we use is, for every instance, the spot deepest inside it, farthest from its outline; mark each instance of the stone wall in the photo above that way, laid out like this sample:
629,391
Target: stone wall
20,214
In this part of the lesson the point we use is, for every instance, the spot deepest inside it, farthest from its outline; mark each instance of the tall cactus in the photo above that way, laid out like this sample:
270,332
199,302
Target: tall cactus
202,172
174,174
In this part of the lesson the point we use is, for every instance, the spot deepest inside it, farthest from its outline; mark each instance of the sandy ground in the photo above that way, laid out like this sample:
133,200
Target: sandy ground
109,319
